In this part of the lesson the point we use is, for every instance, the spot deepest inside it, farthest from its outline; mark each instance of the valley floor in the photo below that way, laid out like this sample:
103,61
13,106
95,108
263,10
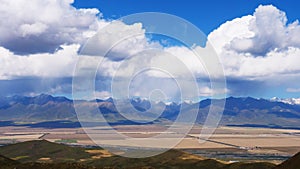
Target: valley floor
227,143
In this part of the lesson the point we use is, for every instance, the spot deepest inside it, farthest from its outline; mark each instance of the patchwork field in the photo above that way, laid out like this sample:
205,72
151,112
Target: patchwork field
276,143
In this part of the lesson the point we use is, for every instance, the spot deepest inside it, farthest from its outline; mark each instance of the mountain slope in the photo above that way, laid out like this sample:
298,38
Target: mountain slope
237,111
253,112
6,163
292,163
258,165
35,150
38,108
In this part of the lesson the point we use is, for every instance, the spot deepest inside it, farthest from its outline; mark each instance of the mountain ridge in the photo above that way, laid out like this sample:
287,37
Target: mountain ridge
237,110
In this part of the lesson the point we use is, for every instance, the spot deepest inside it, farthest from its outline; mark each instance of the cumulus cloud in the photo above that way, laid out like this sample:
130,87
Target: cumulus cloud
42,26
117,41
63,61
45,65
208,91
293,90
259,46
42,39
258,34
230,30
273,65
102,94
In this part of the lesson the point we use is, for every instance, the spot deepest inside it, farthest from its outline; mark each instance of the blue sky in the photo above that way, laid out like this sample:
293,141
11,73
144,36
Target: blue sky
207,15
257,42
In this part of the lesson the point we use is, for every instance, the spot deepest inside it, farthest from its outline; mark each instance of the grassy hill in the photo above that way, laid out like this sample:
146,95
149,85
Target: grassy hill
48,166
260,165
169,159
47,155
292,163
32,151
6,163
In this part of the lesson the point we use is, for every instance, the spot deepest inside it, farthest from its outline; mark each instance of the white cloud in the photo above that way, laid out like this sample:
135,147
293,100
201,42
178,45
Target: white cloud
227,32
42,38
293,90
258,34
274,64
208,91
118,41
62,62
102,94
42,26
59,64
259,46
255,47
33,29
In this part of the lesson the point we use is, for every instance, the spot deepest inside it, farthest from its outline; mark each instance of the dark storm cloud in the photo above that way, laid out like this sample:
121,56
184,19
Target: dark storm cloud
240,87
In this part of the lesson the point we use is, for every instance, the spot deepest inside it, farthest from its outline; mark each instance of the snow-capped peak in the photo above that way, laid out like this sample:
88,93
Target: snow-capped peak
292,101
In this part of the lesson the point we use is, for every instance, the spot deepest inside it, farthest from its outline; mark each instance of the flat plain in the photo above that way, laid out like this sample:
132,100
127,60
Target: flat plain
230,140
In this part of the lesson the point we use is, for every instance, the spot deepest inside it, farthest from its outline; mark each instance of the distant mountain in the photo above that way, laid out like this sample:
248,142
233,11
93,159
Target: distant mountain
39,108
39,100
237,111
260,112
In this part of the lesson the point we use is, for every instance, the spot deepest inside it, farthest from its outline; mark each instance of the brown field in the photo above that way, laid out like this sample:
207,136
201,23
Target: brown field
227,139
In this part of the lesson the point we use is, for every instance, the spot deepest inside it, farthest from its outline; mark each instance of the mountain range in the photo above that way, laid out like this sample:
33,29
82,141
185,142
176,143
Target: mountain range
245,111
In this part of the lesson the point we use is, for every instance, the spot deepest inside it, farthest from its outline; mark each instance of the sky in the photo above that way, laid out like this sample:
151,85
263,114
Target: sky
257,43
207,15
